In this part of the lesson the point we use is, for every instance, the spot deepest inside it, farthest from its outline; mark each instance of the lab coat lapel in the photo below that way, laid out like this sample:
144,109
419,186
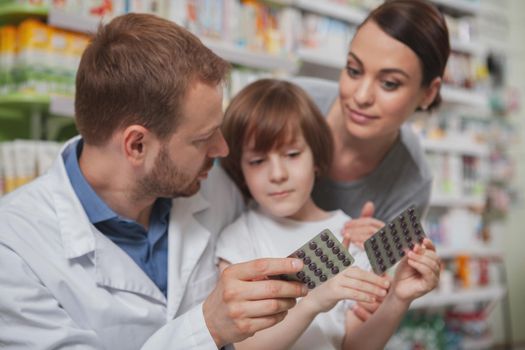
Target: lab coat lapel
187,241
113,267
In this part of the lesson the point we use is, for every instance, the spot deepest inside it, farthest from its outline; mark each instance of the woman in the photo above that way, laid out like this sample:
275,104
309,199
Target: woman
394,67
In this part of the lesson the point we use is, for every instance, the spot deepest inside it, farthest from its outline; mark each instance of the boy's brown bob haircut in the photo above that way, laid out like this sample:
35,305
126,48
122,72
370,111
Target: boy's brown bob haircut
272,112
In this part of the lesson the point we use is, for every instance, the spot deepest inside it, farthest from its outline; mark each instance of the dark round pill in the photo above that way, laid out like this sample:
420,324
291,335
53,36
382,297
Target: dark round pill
335,270
420,239
329,264
415,225
384,239
380,260
300,254
324,258
324,236
411,245
387,246
312,266
322,278
408,239
391,225
392,260
318,252
318,272
373,240
396,239
382,267
374,246
307,260
312,245
346,262
401,218
399,246
406,232
411,211
300,275
306,279
377,253
389,253
330,243
418,232
404,225
382,233
311,284
394,232
336,250
341,256
402,253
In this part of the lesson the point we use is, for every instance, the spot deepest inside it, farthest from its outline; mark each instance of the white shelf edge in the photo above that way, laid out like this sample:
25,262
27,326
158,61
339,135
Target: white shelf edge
345,13
72,21
483,342
464,6
320,58
473,47
473,295
474,251
455,95
456,201
456,146
62,106
248,58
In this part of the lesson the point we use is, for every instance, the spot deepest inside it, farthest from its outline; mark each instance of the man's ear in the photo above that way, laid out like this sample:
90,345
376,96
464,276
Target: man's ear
137,141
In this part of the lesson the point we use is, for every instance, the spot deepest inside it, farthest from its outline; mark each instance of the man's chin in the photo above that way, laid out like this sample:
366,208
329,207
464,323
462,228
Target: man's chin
191,189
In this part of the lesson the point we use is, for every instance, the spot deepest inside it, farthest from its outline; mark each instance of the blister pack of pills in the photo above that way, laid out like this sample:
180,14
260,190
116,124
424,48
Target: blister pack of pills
323,256
387,246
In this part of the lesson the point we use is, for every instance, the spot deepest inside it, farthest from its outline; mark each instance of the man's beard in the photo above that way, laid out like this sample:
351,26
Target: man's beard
167,180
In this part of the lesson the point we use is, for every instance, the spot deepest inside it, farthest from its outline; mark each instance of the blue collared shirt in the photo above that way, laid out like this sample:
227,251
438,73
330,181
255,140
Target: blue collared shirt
148,248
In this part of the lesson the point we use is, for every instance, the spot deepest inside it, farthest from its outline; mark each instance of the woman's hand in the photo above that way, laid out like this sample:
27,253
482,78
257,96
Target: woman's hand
352,283
418,273
358,230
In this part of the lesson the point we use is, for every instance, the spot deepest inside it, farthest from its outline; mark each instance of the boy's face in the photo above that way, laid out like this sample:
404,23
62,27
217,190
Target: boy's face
281,180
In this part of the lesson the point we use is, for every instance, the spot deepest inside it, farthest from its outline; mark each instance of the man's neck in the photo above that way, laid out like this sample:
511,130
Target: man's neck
109,177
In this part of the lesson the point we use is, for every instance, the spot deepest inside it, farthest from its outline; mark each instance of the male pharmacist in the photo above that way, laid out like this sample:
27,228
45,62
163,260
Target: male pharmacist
113,247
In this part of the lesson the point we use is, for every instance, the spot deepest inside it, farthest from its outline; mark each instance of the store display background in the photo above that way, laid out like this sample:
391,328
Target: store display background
513,229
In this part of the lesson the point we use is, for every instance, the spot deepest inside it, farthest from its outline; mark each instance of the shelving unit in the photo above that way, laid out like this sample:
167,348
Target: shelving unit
463,296
335,10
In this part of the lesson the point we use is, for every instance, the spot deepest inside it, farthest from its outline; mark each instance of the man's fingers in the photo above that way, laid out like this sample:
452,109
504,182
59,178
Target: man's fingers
265,289
253,325
368,210
260,308
260,268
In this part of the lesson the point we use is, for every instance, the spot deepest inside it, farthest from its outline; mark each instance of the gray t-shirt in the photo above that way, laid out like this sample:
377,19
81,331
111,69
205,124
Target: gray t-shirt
402,179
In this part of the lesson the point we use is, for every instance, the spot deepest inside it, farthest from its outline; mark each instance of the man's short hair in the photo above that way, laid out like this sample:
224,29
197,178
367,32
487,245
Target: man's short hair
137,70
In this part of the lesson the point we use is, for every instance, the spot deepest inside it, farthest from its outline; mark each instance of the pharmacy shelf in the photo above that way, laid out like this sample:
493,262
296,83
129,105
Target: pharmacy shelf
474,250
469,47
473,295
55,105
461,96
245,57
440,200
465,7
317,57
333,9
483,342
13,13
457,146
72,21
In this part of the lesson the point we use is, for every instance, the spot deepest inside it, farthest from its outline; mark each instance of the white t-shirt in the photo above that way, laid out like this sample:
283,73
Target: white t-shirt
257,234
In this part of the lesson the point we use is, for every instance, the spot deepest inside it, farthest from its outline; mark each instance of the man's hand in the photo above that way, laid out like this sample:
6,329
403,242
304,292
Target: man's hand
244,301
358,230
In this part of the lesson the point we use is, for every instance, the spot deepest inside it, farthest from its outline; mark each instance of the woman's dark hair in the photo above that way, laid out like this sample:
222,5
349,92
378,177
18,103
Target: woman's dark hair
420,26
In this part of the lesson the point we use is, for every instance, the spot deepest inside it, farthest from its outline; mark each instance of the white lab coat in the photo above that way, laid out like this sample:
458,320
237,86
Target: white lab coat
63,284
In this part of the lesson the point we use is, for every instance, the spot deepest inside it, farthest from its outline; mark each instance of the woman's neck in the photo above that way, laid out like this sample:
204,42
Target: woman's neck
354,158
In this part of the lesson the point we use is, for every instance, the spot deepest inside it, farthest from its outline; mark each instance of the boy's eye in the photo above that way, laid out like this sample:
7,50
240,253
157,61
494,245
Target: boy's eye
293,154
255,161
390,85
